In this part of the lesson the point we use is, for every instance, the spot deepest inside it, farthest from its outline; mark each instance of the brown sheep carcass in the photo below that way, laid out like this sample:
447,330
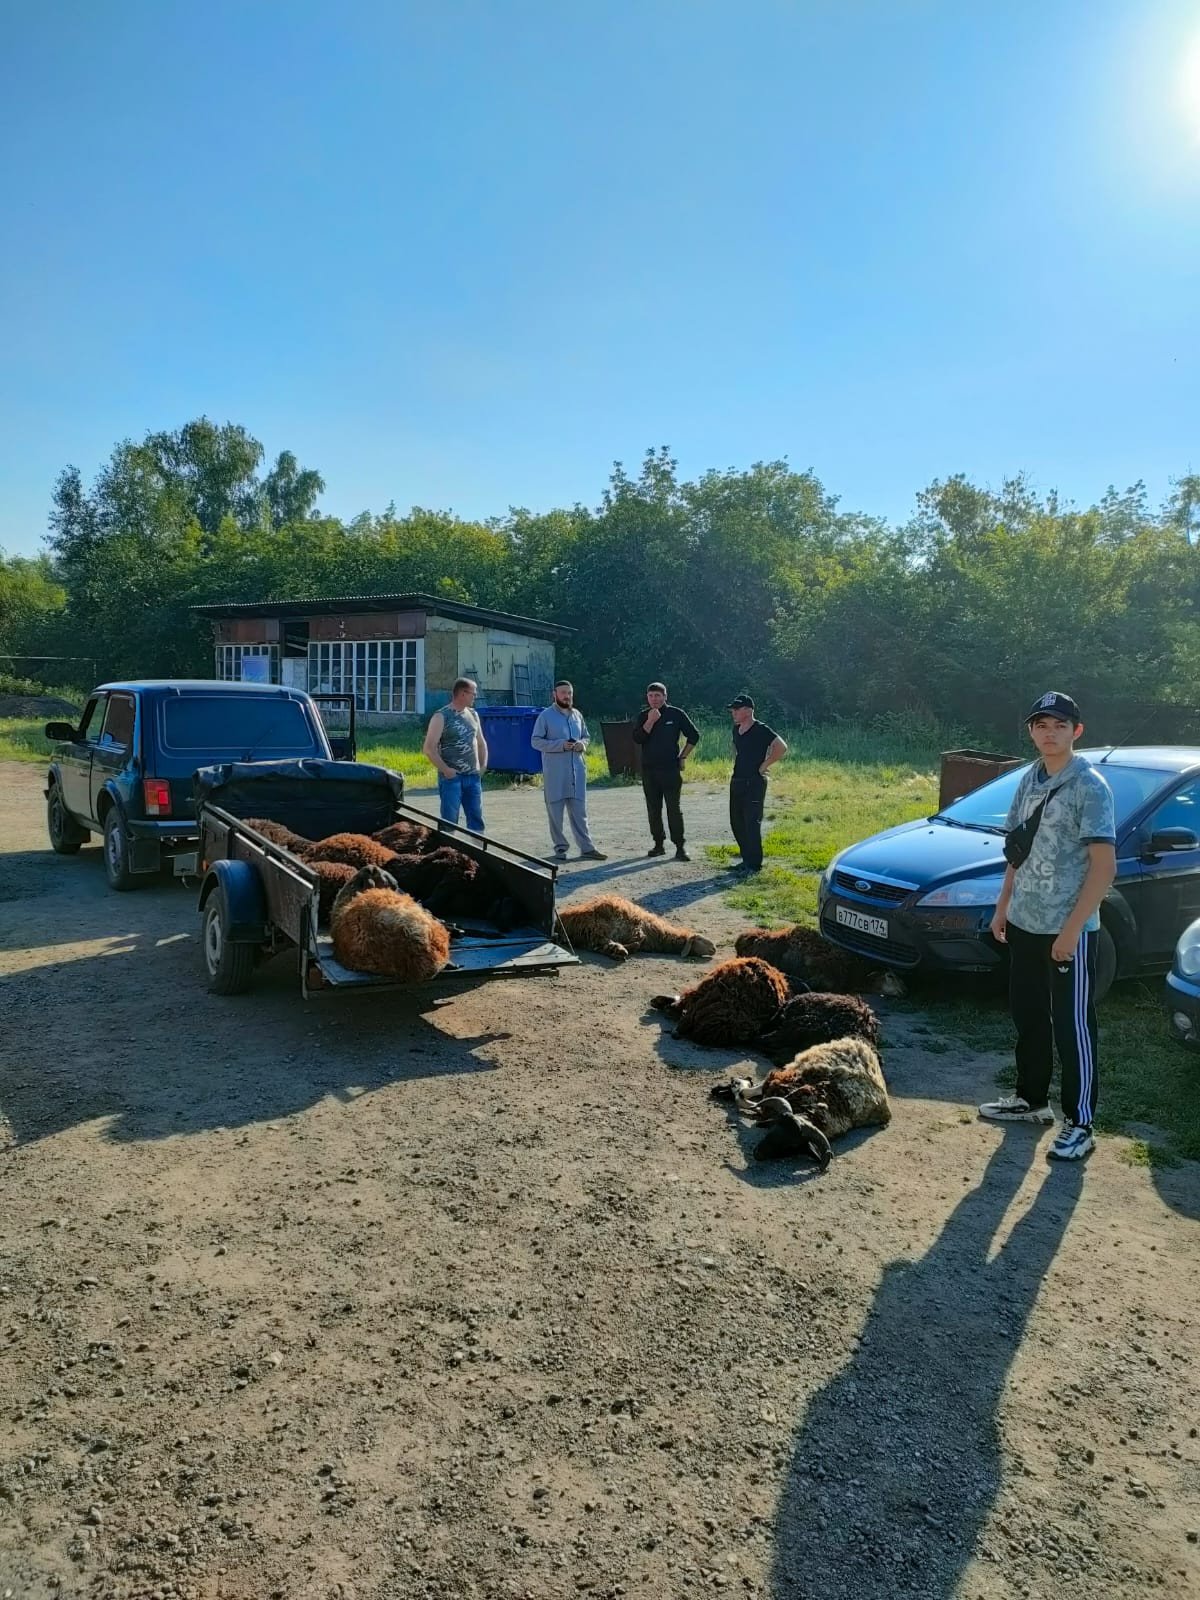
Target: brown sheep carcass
406,838
802,953
616,927
732,1005
377,929
809,1019
296,843
354,849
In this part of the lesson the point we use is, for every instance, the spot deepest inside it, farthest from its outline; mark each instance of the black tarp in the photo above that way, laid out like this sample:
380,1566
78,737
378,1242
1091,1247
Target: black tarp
346,796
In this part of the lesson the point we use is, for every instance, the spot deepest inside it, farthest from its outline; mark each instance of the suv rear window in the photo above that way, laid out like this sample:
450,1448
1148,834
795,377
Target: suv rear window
236,726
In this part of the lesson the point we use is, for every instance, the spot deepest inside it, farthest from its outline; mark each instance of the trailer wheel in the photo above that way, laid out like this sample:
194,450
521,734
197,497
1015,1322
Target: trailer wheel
230,966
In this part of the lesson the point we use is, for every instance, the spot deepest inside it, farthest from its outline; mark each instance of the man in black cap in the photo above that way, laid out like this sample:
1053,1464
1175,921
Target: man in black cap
658,730
755,748
1061,854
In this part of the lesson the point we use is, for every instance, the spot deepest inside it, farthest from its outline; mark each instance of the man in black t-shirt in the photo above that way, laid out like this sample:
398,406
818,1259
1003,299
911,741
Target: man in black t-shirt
658,730
755,748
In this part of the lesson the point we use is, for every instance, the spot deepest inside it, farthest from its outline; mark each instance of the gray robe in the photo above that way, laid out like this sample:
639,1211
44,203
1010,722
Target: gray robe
564,776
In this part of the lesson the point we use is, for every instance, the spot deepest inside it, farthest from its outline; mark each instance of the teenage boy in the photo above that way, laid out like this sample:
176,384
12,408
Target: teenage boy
658,730
1048,914
755,748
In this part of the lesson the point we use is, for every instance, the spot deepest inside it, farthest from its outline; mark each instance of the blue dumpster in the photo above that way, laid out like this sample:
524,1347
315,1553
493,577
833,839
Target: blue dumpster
508,730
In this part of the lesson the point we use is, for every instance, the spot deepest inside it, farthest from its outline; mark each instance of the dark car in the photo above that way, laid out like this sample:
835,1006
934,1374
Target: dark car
126,771
923,894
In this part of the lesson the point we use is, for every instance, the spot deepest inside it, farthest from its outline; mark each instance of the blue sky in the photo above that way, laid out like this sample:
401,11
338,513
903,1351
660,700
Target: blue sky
464,255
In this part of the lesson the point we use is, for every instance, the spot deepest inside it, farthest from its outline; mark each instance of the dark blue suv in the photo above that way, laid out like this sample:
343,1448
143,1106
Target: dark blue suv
126,771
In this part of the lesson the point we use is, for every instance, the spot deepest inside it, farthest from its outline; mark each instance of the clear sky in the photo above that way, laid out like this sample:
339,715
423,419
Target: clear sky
464,255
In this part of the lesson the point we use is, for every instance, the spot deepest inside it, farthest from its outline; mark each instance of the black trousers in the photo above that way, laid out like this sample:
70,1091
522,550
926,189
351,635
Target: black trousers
659,784
1054,1005
746,799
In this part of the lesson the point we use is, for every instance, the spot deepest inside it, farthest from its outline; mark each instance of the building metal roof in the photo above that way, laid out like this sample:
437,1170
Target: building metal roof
362,604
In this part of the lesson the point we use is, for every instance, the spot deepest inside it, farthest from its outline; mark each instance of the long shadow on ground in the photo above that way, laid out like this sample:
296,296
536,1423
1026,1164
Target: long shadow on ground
898,1463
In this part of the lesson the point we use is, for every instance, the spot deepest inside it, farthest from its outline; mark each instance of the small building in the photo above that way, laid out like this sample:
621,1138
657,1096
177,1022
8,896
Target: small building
396,653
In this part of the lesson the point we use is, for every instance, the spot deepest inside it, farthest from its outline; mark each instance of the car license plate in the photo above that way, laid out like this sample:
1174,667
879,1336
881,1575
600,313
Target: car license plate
860,922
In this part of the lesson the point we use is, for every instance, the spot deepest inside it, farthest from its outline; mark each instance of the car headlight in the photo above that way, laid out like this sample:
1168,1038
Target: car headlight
827,875
1187,956
974,892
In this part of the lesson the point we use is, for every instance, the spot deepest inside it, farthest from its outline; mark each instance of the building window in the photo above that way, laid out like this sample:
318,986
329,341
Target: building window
231,656
381,674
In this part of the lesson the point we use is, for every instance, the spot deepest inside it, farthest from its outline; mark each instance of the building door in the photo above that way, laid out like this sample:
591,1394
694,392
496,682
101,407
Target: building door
498,676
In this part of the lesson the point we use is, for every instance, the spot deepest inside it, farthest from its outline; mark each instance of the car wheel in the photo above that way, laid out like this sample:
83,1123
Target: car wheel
230,966
1106,963
66,836
116,853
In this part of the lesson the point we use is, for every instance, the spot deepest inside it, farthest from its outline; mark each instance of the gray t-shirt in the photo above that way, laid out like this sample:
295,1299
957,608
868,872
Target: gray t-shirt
1047,884
457,744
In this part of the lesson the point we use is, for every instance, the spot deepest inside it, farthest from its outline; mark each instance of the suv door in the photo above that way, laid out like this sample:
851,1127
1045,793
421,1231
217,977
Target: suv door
112,752
75,763
1168,897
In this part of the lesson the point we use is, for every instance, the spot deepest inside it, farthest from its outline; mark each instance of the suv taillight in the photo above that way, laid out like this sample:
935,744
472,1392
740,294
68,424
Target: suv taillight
158,797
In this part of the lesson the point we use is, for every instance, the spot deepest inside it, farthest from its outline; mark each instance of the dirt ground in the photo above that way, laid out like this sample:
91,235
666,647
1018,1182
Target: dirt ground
383,1297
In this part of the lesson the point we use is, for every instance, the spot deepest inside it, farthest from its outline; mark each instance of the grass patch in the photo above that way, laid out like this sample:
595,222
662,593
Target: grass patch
820,802
23,740
1137,1153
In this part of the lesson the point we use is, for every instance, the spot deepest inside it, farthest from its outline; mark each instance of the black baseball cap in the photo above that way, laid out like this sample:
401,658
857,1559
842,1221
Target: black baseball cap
741,700
1055,704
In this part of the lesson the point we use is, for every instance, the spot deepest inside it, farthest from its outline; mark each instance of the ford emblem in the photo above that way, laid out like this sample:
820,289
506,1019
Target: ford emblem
862,885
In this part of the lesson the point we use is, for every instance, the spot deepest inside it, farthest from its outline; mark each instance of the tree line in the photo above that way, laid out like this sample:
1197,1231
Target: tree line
753,578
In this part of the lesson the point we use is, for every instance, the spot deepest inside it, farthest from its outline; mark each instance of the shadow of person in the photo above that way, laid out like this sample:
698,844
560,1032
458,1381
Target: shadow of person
671,897
897,1463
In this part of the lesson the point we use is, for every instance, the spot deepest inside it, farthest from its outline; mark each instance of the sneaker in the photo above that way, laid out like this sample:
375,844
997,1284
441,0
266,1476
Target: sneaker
592,855
681,854
658,850
1072,1143
1011,1108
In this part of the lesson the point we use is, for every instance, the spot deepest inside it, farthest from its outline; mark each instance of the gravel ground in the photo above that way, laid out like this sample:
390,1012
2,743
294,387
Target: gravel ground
386,1297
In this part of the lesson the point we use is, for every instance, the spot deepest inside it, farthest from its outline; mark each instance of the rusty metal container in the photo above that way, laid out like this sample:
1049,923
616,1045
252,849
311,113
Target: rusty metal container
963,771
624,757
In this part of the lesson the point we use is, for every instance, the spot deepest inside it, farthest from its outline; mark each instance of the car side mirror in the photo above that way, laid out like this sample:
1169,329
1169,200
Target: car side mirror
62,732
1167,839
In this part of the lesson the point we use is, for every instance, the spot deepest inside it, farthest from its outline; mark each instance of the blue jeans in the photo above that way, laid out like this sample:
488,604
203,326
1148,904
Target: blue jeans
463,792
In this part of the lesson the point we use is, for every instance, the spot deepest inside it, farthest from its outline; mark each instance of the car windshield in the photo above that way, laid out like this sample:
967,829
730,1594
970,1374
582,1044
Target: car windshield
987,808
236,725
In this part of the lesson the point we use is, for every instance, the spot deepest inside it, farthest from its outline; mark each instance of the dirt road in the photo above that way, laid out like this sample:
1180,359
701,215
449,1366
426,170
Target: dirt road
379,1298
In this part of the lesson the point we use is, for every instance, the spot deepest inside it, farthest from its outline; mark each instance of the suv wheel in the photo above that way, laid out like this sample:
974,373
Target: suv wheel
116,853
230,966
66,836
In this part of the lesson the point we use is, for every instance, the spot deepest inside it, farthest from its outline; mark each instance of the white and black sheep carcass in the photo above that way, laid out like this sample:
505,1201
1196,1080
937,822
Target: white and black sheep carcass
824,1091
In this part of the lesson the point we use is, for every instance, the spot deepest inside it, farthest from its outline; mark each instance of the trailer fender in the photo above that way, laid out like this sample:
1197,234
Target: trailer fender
246,905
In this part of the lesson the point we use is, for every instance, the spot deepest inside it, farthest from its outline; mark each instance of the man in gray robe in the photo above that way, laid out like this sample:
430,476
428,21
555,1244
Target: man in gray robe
561,734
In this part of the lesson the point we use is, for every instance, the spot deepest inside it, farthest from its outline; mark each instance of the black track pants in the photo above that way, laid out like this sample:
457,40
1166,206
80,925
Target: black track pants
1054,1005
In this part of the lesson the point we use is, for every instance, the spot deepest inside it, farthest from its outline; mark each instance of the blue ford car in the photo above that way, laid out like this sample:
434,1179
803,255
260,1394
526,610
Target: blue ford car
1183,988
923,894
